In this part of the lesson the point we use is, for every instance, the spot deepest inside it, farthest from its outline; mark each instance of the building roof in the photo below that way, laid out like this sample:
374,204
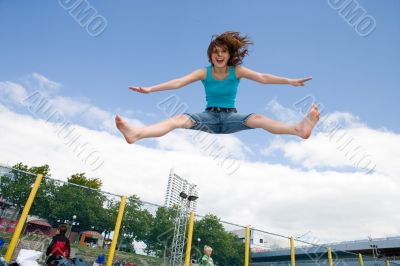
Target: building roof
40,222
93,233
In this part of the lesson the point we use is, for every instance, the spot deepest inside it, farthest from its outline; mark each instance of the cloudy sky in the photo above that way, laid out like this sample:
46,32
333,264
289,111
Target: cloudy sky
61,83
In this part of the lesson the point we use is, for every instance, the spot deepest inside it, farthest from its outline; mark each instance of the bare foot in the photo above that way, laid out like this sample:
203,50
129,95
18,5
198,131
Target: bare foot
305,127
131,134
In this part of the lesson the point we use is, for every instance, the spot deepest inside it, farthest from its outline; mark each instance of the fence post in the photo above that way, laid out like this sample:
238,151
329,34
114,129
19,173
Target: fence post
22,219
189,239
116,231
247,247
360,259
330,256
292,255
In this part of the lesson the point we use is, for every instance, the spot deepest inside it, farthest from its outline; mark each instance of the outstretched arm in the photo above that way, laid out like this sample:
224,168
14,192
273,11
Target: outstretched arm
172,84
244,72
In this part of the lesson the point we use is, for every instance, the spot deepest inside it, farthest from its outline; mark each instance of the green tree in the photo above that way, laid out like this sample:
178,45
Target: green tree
43,203
16,185
228,249
81,196
107,218
162,231
136,223
88,204
81,179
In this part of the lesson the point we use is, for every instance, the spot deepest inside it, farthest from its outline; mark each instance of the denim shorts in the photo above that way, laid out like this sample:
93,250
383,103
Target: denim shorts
219,122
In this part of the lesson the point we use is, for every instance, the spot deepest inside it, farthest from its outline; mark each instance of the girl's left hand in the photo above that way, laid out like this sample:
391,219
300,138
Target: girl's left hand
299,82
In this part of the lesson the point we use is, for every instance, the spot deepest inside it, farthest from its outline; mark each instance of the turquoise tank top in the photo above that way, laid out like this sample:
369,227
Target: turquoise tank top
221,93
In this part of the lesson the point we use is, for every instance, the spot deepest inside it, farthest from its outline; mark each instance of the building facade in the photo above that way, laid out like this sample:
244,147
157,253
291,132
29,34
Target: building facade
176,185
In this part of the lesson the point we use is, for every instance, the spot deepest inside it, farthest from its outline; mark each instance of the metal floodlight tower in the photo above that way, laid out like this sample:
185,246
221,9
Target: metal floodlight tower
181,221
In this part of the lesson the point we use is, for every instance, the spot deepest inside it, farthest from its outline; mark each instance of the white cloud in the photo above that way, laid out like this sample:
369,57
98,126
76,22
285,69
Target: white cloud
204,143
273,197
291,115
92,116
45,83
344,119
282,113
83,112
12,92
70,106
339,141
279,198
343,142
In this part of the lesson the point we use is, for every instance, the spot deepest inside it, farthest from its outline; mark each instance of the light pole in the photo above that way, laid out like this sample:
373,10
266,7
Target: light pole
74,222
181,222
198,246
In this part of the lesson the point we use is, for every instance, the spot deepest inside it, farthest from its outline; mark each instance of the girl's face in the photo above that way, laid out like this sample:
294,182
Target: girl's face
220,56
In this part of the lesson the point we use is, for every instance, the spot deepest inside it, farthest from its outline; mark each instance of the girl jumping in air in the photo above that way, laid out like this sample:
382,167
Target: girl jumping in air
221,79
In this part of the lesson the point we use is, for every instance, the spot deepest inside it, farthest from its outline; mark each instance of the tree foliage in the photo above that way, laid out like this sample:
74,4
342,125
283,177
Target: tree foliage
56,201
161,231
16,186
228,249
95,210
81,179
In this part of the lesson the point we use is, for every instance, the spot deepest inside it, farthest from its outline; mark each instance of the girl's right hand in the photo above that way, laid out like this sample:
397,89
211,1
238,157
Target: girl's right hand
140,89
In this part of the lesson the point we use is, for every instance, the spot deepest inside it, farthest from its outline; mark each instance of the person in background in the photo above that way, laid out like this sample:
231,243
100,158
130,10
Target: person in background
207,260
59,246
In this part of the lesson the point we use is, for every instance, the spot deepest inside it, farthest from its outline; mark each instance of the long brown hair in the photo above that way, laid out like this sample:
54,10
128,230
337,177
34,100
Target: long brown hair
236,45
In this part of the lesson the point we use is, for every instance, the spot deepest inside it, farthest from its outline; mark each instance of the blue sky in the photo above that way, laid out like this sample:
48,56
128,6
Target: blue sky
149,42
